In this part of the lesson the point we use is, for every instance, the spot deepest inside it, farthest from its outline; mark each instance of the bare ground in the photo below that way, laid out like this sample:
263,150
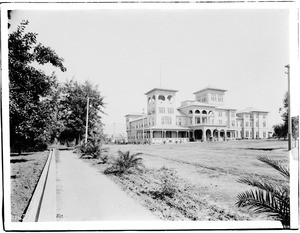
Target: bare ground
205,175
25,172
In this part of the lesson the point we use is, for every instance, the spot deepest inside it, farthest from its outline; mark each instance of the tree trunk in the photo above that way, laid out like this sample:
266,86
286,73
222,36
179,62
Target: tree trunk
77,140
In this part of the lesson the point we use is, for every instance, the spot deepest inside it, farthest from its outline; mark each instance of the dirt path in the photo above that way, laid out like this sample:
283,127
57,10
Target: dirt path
84,194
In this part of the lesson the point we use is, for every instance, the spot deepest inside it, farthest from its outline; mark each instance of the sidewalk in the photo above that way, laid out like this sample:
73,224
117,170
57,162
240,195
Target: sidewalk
84,194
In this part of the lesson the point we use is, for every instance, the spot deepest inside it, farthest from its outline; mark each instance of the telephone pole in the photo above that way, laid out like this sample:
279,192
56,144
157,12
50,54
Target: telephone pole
87,119
289,109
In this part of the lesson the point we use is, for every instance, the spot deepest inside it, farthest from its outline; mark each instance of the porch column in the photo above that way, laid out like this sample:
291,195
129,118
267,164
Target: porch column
204,135
225,135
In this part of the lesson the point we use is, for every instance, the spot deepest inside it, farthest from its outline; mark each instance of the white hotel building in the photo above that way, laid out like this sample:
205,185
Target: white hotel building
205,118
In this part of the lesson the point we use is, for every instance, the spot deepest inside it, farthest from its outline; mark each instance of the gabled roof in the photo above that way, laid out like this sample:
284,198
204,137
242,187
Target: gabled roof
160,89
210,88
196,103
251,109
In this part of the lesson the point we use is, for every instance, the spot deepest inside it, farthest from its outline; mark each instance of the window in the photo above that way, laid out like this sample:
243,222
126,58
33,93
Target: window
233,114
170,98
264,134
264,124
162,97
197,120
214,97
179,121
191,121
256,123
161,110
250,134
247,134
166,120
220,98
250,123
170,110
190,112
256,116
232,123
197,112
247,124
220,114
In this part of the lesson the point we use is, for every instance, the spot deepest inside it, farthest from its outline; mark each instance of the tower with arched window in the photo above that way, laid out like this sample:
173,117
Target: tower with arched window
206,118
161,106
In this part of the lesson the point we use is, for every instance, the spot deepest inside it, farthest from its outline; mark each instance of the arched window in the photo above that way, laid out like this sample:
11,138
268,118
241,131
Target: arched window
153,97
170,98
211,112
204,112
197,112
162,97
149,100
190,112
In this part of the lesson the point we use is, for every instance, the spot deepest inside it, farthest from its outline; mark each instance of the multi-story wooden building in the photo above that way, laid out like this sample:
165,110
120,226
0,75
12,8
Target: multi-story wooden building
202,119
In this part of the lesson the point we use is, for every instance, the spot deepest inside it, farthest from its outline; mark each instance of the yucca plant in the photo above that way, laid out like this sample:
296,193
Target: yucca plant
93,149
268,198
125,163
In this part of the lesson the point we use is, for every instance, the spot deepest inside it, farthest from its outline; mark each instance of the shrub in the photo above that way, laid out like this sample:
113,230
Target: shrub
269,198
168,183
93,149
125,163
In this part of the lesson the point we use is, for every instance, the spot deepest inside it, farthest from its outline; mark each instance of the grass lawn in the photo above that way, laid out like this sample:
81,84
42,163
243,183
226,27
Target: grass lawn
25,173
206,176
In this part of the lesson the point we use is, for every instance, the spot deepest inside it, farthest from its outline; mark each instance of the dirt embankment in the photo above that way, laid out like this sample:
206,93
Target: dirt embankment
205,176
185,201
25,172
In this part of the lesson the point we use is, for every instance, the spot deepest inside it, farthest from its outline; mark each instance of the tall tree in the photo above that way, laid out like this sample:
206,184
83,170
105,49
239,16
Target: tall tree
281,130
73,110
30,89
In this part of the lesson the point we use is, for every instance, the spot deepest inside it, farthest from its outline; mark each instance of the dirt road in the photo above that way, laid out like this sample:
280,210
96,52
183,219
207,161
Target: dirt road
84,194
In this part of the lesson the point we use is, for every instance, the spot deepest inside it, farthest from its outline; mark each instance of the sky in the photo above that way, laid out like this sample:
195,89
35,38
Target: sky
127,52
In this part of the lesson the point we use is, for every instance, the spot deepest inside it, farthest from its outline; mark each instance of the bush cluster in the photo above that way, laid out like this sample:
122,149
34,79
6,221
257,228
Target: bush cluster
93,149
168,185
125,163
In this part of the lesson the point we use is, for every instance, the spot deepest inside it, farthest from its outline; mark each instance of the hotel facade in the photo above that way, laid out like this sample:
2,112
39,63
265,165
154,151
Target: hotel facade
204,119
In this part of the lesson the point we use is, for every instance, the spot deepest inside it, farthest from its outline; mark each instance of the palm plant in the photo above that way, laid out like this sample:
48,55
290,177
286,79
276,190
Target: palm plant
268,197
125,163
94,148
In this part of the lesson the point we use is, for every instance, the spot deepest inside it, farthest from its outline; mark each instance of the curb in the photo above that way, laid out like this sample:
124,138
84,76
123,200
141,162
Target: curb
42,207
